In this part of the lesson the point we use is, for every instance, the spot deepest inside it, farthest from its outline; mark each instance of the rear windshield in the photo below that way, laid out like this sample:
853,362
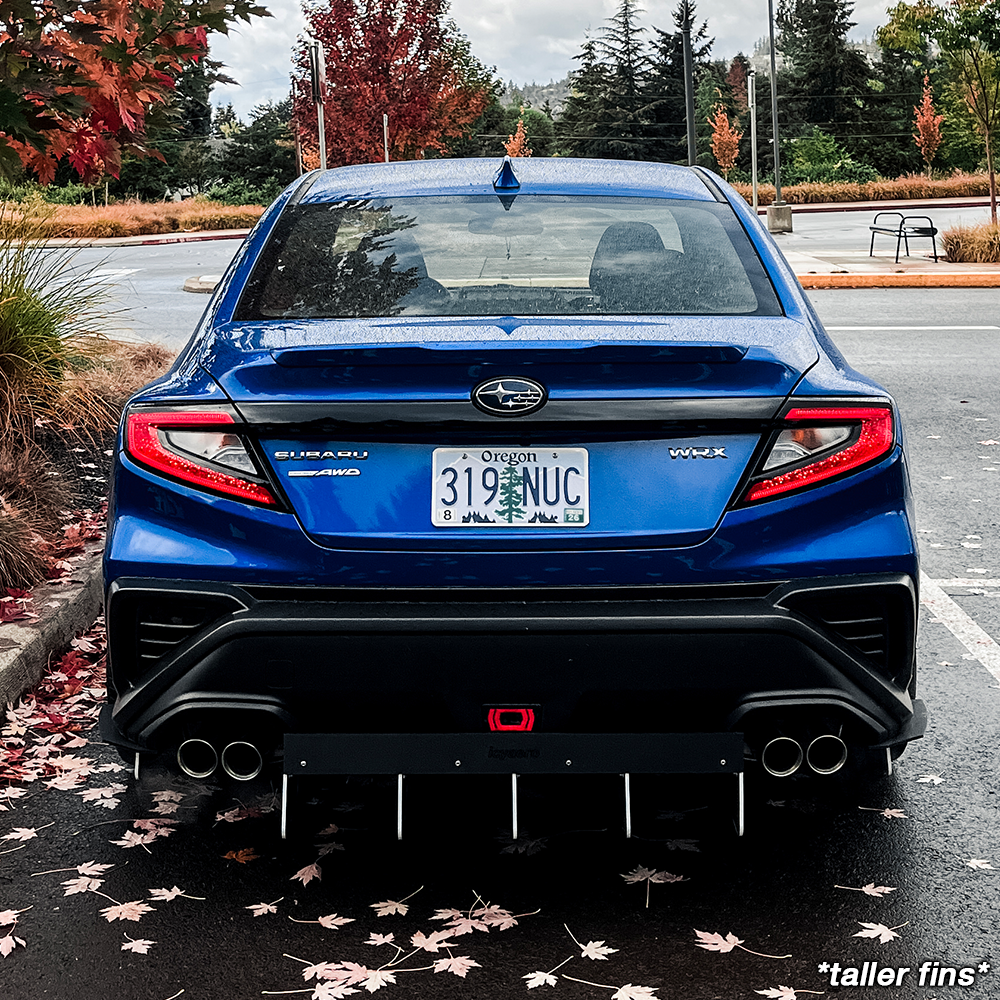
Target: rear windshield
525,255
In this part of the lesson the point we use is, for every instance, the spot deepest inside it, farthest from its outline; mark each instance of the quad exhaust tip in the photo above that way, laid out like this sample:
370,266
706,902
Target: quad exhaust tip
782,756
826,754
197,758
242,761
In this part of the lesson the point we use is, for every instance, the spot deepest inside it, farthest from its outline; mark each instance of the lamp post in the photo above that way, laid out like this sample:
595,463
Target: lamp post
752,101
689,83
779,215
317,75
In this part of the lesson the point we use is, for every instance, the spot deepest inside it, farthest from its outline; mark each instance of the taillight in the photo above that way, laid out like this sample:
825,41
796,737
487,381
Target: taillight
823,442
190,446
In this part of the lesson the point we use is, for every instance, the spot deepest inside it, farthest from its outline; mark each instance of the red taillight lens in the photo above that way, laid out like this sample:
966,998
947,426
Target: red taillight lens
865,431
149,440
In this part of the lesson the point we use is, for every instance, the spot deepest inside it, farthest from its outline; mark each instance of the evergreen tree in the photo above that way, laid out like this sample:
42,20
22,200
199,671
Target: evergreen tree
826,81
626,110
664,91
262,154
511,496
581,124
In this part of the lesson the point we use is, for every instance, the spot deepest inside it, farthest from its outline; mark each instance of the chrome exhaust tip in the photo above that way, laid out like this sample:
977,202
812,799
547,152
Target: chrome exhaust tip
826,754
197,758
242,761
781,757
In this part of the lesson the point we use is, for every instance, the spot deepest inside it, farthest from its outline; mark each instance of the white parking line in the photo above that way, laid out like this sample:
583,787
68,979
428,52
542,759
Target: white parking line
961,626
912,329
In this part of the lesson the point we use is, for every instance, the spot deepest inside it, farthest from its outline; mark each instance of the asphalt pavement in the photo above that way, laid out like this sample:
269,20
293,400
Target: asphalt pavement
831,876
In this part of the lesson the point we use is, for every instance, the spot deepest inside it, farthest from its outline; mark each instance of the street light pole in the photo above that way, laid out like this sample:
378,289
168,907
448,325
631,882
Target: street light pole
317,75
752,101
779,215
689,83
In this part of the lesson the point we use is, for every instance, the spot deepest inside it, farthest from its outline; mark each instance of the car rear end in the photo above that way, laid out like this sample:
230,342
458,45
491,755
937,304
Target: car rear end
456,453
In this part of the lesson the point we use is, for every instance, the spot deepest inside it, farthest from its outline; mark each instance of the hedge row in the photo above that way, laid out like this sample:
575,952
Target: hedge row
914,186
139,219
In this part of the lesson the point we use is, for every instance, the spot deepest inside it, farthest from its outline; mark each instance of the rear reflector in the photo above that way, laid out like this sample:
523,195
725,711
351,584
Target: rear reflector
872,440
148,441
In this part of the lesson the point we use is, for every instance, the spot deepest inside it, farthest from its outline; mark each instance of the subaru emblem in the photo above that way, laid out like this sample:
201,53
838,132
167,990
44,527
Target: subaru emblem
509,397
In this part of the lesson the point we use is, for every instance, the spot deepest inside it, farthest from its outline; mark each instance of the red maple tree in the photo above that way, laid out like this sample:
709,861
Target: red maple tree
928,125
517,144
78,77
725,140
401,58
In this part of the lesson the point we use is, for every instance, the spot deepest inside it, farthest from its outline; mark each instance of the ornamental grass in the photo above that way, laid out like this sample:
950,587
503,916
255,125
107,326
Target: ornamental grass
912,186
61,384
140,219
978,244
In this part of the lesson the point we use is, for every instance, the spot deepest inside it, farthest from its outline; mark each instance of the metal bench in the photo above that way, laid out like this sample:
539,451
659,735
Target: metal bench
905,230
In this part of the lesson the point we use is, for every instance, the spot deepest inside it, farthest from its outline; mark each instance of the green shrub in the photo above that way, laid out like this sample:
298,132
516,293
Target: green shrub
240,192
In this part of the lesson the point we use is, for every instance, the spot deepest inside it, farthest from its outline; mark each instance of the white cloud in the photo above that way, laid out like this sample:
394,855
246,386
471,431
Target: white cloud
526,42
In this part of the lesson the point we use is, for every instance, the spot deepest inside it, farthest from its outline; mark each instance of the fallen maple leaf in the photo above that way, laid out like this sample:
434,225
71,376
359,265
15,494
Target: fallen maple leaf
243,855
980,864
648,875
82,884
781,993
435,942
331,921
540,979
332,991
930,779
871,889
92,868
459,964
388,907
716,942
377,939
126,911
21,833
630,992
596,950
880,931
132,839
9,943
139,945
260,909
377,979
307,874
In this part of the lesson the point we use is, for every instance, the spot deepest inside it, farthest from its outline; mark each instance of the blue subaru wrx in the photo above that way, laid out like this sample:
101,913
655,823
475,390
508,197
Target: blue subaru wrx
519,466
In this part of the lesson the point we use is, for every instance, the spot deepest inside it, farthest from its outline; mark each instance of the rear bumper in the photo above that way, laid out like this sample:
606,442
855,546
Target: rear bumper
258,663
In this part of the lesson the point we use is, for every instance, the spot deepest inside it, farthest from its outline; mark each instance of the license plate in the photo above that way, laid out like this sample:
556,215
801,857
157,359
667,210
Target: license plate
510,487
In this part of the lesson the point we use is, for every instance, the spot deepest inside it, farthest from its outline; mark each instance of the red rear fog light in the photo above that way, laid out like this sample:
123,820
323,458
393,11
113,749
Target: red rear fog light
511,720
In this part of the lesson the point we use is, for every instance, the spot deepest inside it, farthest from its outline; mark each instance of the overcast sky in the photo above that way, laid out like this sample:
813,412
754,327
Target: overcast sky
528,42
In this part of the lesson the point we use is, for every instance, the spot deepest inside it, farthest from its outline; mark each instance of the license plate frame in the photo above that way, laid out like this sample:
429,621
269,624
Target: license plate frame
510,487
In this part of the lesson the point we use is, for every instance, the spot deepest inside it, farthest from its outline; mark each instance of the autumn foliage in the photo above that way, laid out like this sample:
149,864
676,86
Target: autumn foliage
928,125
78,78
402,58
725,140
517,144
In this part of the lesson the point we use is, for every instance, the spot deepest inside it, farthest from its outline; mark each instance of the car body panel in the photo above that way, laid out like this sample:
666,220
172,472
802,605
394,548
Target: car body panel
678,606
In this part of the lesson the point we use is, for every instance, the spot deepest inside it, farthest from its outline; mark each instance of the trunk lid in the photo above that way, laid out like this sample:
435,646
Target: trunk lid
638,443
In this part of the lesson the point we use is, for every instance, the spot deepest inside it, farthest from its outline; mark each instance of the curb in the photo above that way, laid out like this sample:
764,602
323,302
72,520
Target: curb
26,646
960,279
152,240
202,283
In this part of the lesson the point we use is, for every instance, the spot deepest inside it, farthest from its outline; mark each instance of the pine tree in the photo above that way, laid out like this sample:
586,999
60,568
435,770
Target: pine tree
510,496
581,125
826,81
664,91
627,112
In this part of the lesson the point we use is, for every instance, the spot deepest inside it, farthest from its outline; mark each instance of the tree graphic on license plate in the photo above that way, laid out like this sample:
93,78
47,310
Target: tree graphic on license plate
510,496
